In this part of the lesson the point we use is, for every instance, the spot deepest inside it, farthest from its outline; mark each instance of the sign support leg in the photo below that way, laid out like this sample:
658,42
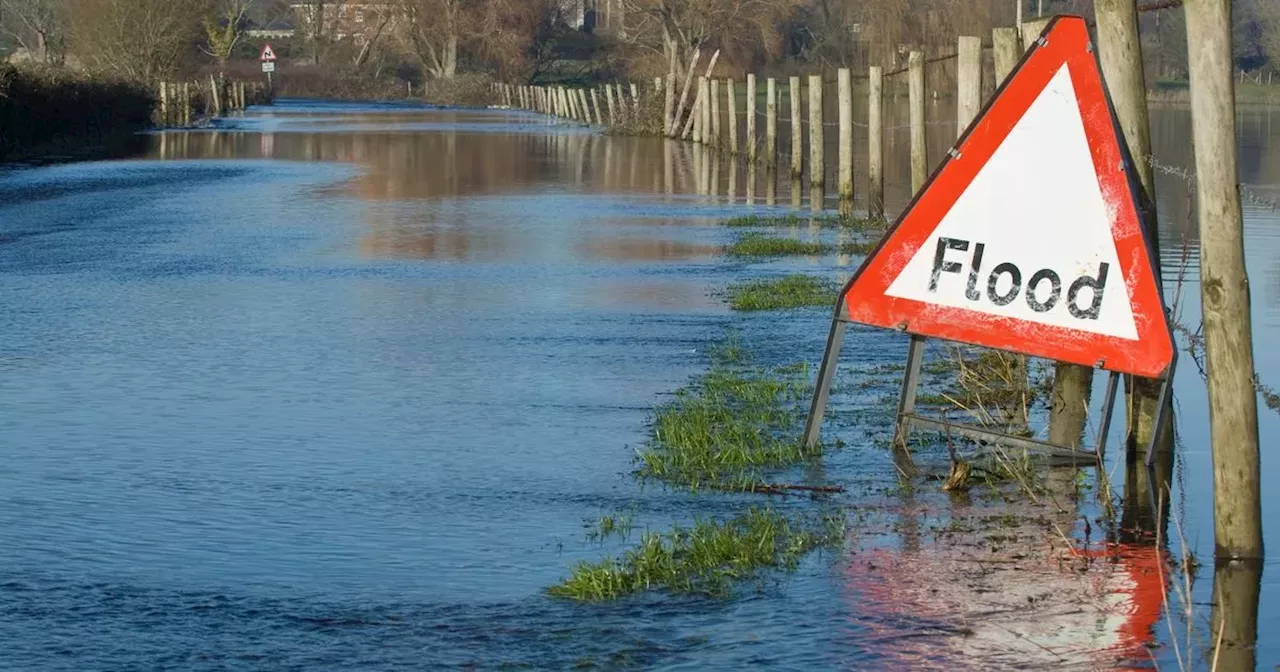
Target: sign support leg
1166,390
910,383
822,389
1109,404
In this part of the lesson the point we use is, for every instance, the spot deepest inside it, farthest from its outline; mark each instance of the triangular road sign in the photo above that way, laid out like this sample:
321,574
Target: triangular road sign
1028,238
268,54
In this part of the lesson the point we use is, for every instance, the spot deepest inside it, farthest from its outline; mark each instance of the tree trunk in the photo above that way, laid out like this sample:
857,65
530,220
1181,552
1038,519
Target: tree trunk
450,65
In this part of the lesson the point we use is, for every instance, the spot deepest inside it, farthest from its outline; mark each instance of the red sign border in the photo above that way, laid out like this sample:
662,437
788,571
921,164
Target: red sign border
1064,41
262,57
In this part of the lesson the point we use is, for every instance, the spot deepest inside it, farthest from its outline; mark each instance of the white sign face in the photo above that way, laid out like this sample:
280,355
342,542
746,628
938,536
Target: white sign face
268,54
268,66
1023,245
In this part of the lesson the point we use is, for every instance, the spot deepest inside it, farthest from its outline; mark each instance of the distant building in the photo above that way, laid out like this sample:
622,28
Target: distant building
352,19
275,29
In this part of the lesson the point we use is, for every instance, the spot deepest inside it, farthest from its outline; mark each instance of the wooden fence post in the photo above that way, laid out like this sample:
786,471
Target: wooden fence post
704,92
969,82
622,101
797,131
1006,52
684,94
875,143
163,116
1120,53
608,96
186,103
585,104
751,123
844,84
919,152
1224,284
731,100
771,122
214,96
711,67
595,99
715,112
669,101
817,137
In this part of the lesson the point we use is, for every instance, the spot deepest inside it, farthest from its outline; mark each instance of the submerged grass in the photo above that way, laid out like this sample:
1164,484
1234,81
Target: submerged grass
790,291
727,427
794,220
761,245
707,558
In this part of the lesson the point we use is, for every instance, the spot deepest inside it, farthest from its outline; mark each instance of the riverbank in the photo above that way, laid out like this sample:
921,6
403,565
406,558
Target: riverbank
48,114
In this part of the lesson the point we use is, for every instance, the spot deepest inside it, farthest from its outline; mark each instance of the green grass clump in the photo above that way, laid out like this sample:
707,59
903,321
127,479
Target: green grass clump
609,524
780,220
761,245
790,291
723,430
794,220
864,223
858,247
707,558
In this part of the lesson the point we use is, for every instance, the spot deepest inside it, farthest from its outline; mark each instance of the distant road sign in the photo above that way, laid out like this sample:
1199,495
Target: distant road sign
268,66
268,54
1029,237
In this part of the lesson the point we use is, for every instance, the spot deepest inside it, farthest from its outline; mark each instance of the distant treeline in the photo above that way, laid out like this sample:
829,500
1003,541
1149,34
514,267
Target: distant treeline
47,110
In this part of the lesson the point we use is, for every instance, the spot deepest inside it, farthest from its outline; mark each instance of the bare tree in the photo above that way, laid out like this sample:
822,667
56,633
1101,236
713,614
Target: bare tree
319,20
224,25
432,30
39,26
137,39
675,28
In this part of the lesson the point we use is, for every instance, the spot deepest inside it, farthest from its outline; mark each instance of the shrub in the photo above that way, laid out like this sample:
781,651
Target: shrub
466,90
49,109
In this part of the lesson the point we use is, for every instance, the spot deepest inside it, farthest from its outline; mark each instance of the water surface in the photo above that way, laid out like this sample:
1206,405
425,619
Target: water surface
336,385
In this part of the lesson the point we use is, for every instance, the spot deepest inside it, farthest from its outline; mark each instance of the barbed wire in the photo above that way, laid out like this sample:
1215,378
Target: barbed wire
1188,177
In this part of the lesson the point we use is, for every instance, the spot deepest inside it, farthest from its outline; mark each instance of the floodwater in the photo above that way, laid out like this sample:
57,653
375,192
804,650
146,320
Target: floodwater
335,386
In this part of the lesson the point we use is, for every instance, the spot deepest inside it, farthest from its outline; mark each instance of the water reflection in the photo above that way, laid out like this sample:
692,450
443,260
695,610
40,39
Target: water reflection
1233,620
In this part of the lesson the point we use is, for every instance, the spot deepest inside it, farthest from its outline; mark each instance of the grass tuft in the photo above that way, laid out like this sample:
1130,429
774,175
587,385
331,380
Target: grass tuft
707,558
761,245
723,430
859,248
790,291
794,220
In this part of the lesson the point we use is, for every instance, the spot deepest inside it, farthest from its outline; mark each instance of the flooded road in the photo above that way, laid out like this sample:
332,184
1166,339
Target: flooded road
335,386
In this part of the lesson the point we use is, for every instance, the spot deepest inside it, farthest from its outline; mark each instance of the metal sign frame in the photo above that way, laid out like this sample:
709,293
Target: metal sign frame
907,417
